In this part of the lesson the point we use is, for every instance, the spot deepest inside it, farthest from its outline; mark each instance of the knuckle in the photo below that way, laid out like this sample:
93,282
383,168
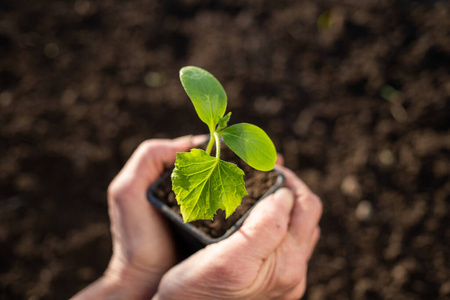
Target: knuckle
316,204
153,148
287,281
113,189
147,146
118,189
299,290
291,277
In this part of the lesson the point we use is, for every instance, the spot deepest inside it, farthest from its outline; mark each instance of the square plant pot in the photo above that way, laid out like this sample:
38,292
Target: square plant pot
195,235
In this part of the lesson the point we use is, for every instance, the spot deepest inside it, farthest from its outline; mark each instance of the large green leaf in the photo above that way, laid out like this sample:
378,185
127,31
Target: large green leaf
206,93
203,184
251,144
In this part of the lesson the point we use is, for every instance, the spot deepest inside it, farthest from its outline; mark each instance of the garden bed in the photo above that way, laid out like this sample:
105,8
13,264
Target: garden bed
358,105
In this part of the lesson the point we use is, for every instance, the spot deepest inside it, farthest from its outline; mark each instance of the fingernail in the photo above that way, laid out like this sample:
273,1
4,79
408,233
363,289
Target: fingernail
284,193
199,139
284,198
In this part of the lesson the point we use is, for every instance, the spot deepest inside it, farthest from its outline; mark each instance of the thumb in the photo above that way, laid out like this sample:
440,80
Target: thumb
165,151
151,157
168,150
265,227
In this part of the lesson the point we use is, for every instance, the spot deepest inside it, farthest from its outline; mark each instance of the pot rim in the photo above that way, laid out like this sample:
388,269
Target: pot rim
190,229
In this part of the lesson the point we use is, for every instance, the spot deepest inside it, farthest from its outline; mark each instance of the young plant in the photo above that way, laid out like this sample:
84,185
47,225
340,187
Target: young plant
202,183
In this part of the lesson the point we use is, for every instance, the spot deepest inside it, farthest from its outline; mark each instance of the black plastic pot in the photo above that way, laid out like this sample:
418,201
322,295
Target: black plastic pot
190,237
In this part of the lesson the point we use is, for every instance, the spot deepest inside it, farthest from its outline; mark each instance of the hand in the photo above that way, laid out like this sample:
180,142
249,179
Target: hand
265,259
143,249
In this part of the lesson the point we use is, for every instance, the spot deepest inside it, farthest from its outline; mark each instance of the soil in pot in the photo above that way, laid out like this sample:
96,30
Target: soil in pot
257,184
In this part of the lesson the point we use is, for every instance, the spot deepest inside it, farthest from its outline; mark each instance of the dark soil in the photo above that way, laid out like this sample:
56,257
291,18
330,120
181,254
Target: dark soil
355,95
257,184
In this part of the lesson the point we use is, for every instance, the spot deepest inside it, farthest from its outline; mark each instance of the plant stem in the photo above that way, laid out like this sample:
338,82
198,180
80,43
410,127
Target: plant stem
216,136
211,143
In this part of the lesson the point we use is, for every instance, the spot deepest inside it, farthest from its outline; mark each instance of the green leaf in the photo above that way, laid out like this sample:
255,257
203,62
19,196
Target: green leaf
203,184
206,93
223,122
251,144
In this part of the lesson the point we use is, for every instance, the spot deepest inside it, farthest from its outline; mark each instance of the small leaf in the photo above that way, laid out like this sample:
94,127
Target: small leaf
251,144
223,122
206,93
203,184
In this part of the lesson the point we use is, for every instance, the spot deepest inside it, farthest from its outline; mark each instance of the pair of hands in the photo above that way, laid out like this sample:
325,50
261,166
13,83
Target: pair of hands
265,259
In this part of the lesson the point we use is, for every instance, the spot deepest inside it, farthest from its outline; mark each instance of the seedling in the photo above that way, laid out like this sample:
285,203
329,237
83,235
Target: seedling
203,183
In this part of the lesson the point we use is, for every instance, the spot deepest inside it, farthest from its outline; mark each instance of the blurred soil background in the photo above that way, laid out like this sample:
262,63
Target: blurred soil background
354,94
